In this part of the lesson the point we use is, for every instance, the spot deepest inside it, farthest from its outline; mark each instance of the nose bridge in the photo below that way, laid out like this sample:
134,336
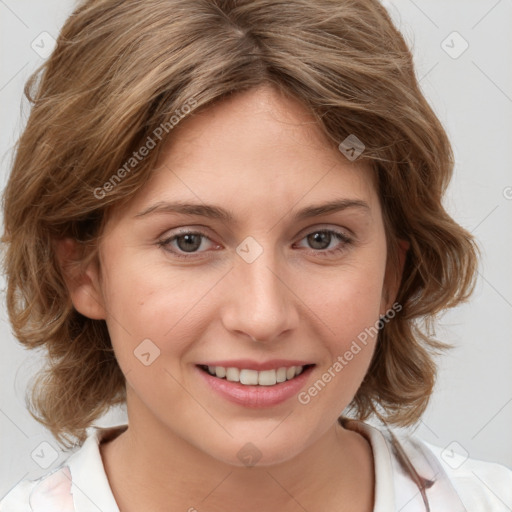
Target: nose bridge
260,304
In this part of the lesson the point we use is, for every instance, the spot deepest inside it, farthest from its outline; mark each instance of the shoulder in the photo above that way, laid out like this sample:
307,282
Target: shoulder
481,485
419,472
78,485
50,492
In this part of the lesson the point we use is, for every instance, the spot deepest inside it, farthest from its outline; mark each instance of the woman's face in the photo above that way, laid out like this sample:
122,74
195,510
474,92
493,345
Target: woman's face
231,257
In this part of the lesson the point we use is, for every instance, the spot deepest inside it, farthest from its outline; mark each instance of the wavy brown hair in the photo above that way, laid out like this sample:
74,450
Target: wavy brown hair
120,70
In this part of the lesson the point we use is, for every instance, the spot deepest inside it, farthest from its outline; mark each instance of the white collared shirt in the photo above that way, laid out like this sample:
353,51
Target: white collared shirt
80,484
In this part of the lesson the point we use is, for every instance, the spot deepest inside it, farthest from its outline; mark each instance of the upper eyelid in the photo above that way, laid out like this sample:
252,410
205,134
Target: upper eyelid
203,230
307,231
338,229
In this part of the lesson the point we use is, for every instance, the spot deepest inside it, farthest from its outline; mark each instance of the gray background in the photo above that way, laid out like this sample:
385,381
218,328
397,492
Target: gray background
471,410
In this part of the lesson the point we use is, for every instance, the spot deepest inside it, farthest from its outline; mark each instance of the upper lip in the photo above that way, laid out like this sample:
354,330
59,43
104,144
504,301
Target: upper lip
249,364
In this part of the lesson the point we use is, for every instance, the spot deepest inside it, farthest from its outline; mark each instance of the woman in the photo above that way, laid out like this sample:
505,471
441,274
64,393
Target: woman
228,215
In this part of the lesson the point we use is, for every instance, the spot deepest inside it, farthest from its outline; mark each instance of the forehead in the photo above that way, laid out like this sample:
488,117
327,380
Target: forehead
256,152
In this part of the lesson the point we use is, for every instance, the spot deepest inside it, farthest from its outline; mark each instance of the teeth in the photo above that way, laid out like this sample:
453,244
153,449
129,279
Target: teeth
290,372
249,377
253,377
267,378
233,374
281,375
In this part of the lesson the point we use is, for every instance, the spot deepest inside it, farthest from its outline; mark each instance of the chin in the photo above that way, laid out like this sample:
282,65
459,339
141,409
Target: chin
257,450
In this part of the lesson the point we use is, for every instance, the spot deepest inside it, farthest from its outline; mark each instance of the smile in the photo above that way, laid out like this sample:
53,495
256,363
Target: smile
249,377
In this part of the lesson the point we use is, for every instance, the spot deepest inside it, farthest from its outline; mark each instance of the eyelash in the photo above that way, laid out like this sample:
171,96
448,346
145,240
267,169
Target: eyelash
342,237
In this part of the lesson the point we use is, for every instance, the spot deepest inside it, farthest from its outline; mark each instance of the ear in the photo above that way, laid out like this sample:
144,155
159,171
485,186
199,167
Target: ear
394,272
82,278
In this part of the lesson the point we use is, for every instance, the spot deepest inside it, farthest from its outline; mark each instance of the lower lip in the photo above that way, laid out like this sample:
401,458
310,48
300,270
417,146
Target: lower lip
256,396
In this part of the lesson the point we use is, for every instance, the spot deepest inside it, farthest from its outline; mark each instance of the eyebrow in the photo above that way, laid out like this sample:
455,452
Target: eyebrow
219,213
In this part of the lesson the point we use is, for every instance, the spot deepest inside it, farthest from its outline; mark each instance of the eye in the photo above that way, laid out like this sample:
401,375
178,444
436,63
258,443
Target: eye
186,243
327,241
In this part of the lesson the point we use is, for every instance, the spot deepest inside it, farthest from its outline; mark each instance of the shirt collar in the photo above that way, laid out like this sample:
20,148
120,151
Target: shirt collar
383,465
90,487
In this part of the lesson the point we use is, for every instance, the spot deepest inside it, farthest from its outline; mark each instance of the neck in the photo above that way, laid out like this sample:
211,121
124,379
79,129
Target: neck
333,473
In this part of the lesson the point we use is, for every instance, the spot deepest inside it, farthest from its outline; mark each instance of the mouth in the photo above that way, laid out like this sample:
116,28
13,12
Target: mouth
250,377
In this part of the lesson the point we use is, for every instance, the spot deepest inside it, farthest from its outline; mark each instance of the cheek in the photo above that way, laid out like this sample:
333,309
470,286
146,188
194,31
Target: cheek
348,300
147,302
348,305
349,310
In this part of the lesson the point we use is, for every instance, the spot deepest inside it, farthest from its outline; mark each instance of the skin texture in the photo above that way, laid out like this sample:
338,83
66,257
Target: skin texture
261,156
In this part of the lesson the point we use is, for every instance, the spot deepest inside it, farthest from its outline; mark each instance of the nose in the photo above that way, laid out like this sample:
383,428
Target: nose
259,300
